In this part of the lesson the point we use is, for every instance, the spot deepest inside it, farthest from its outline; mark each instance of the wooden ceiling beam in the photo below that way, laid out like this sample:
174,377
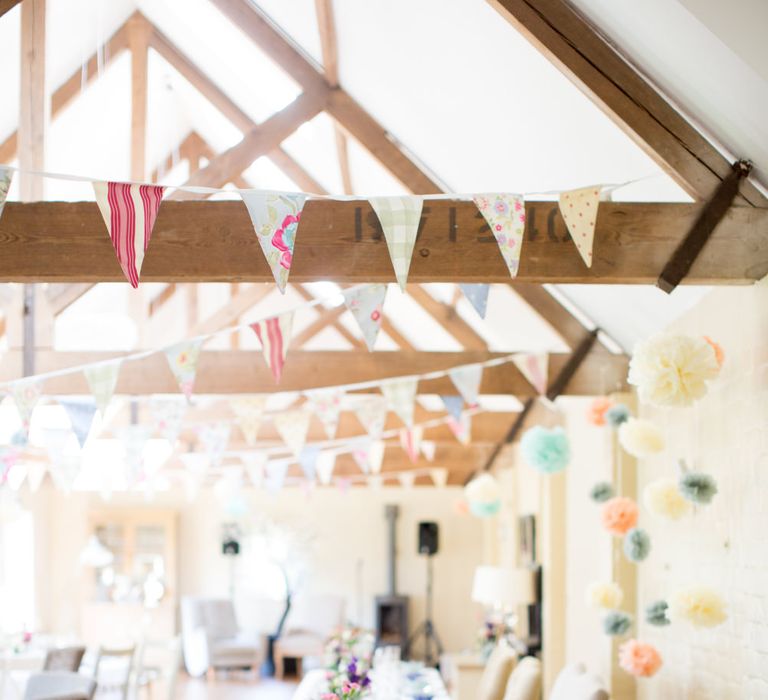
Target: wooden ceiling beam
561,34
138,40
327,316
62,296
448,318
341,241
245,372
7,6
229,314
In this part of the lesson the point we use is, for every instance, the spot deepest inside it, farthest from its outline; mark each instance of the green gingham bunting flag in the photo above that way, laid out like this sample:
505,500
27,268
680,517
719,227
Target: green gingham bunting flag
399,218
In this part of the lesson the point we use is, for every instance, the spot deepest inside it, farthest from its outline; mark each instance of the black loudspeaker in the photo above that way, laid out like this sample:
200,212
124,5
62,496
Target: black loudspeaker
230,547
428,538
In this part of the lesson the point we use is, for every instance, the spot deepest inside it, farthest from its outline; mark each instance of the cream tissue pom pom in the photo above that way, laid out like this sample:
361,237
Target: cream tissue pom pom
672,370
699,605
604,594
662,497
640,437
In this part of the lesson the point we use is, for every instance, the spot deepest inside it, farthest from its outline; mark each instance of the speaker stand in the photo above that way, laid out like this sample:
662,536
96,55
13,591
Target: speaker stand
427,628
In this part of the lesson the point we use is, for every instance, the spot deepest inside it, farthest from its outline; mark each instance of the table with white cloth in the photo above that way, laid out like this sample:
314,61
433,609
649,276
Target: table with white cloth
15,668
314,685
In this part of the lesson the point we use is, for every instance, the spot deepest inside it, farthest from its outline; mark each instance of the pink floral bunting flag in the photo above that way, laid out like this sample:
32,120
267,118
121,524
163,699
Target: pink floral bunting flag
102,380
401,398
535,368
182,359
579,210
26,394
274,334
505,214
326,403
410,441
249,411
369,456
399,218
467,380
372,414
275,219
366,304
134,439
6,175
129,211
293,427
214,439
168,415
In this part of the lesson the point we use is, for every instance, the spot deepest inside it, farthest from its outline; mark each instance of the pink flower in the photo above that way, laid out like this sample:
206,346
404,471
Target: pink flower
375,315
639,659
284,238
619,515
329,696
518,205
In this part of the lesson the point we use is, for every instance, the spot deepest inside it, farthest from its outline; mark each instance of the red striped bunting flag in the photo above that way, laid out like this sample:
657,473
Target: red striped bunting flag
129,211
274,334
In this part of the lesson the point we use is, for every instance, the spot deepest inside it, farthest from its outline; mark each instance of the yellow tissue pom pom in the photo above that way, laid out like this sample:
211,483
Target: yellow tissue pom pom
604,594
699,605
662,497
640,437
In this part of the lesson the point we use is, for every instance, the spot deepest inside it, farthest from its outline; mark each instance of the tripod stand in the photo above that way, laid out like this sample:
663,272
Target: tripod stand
427,628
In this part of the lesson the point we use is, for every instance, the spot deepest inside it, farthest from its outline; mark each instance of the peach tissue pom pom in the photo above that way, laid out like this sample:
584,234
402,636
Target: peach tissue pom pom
597,410
640,437
604,594
619,515
699,605
663,497
672,370
639,659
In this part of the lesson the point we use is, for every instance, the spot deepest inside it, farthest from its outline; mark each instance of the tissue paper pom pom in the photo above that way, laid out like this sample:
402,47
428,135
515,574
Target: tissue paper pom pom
601,492
662,497
483,494
616,415
597,410
640,437
698,487
639,659
656,613
604,594
545,450
699,605
616,623
719,354
484,510
672,370
619,515
637,544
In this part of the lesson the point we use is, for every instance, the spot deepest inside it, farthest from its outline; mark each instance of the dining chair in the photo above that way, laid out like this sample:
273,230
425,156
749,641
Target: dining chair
54,685
113,670
157,665
493,682
64,659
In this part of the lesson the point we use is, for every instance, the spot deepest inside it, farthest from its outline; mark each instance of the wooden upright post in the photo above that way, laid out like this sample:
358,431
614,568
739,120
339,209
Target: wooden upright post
139,32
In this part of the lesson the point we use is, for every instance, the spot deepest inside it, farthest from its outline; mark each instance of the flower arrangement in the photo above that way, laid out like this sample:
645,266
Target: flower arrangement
348,664
491,632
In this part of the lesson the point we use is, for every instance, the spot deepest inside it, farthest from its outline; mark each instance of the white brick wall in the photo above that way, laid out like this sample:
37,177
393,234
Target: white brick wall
724,545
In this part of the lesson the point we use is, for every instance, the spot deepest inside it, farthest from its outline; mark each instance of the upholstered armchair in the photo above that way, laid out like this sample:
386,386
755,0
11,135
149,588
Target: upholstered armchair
574,682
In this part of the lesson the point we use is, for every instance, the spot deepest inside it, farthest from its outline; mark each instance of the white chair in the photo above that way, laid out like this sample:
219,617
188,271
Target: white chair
158,666
493,682
574,682
525,680
58,685
311,621
113,671
211,638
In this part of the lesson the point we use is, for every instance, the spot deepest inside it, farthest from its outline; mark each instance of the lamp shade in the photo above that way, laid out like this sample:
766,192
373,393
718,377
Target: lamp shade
95,554
494,585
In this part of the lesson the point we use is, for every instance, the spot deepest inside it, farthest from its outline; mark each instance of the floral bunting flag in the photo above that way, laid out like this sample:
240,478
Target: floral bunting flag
274,334
439,476
366,304
326,403
410,441
477,295
428,449
372,414
249,411
326,462
80,413
308,461
407,479
579,211
275,219
168,416
6,175
182,359
505,214
102,380
369,456
214,439
535,368
293,427
254,463
399,218
129,211
401,398
275,473
134,439
26,393
64,470
467,380
454,405
461,428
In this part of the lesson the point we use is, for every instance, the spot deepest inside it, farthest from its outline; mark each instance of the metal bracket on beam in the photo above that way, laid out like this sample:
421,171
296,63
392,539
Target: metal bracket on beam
711,215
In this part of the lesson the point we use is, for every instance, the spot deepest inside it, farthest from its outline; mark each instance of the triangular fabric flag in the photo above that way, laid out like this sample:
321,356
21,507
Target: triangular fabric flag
401,398
193,483
410,440
6,175
275,219
439,476
375,482
129,211
477,295
168,416
372,414
80,413
134,439
467,380
26,393
399,218
366,304
535,368
292,427
461,428
308,461
344,484
326,403
274,334
254,467
102,380
214,439
275,475
326,461
182,359
407,479
579,211
505,214
9,456
64,471
454,405
195,462
35,475
428,449
249,411
370,456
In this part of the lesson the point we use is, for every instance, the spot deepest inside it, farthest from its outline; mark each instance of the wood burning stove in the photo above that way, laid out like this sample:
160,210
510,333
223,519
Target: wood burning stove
392,609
